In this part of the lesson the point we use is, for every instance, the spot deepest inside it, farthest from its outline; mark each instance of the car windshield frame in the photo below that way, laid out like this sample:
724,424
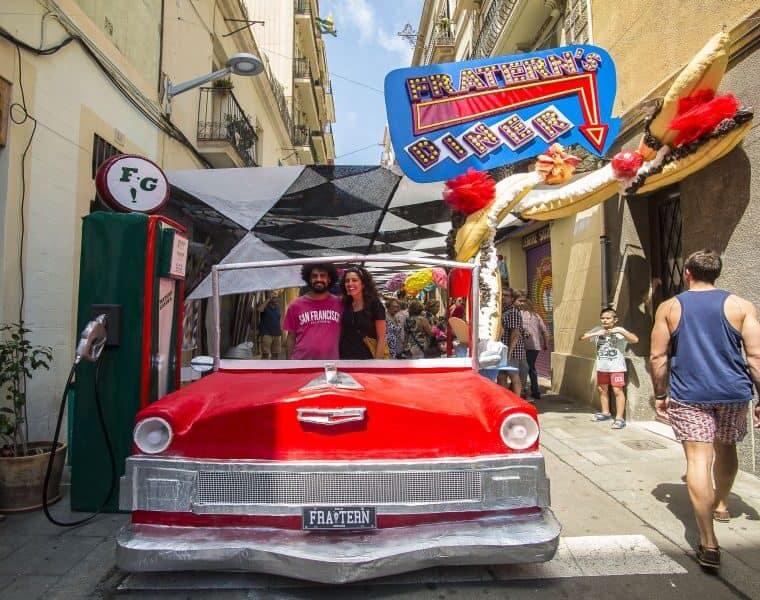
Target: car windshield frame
254,364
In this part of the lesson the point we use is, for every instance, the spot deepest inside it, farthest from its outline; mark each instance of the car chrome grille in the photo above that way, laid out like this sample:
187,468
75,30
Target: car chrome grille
390,487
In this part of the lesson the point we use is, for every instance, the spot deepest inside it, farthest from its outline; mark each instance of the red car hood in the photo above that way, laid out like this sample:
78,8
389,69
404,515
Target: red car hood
408,414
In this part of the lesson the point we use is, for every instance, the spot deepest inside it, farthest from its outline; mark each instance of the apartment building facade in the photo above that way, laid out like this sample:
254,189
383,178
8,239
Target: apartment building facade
292,41
628,251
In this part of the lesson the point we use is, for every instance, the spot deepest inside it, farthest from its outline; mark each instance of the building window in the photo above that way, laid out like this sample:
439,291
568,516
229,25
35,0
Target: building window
576,22
101,151
667,258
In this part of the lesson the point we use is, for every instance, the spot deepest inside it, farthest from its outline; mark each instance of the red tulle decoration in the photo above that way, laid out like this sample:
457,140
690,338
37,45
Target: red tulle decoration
700,114
626,164
470,192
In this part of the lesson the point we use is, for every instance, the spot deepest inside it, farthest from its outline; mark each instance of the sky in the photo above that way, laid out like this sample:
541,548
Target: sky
364,51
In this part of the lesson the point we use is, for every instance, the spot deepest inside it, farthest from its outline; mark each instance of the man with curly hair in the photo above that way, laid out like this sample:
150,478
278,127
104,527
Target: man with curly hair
312,322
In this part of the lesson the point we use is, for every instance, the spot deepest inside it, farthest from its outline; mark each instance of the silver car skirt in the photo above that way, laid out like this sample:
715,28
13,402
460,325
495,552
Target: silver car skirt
340,557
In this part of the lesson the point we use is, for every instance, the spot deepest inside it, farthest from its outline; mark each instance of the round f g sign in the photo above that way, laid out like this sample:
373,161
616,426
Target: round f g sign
131,183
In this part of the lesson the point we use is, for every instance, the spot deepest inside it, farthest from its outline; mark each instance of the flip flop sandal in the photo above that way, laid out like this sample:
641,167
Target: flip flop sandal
601,417
708,557
722,516
618,424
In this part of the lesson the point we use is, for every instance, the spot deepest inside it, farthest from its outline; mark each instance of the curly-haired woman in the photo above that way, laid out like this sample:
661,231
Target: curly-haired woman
363,316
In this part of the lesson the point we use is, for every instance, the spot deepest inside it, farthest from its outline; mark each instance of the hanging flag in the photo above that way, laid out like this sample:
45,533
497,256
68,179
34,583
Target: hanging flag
327,26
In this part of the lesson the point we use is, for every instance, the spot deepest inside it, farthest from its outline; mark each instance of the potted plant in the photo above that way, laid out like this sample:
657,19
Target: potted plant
22,463
223,85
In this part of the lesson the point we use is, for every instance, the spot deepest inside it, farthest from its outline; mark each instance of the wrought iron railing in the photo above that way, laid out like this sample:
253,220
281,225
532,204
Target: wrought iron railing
493,23
301,68
302,7
282,103
439,39
220,118
301,136
328,128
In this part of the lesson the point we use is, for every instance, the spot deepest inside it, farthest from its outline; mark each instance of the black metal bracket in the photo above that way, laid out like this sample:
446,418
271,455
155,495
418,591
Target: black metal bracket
247,22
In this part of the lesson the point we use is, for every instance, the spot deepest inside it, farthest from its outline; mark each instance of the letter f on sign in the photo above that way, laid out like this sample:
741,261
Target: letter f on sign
126,173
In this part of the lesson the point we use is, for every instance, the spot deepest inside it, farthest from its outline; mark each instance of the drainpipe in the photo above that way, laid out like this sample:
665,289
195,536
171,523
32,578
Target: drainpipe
604,243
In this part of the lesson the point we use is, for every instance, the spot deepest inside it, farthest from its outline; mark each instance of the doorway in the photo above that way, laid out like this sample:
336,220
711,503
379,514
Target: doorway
539,270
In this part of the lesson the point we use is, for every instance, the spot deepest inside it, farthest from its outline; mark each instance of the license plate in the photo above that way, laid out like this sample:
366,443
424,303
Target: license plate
339,517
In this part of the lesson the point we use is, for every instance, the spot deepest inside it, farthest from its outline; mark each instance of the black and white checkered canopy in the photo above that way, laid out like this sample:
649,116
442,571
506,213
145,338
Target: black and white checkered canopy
239,215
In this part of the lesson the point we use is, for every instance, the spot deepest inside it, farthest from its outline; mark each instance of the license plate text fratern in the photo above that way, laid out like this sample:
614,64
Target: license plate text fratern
339,517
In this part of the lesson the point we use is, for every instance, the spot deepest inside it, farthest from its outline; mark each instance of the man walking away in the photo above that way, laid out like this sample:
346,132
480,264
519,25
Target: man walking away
710,386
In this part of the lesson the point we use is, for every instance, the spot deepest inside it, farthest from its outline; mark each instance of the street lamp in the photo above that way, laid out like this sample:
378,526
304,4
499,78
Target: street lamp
242,64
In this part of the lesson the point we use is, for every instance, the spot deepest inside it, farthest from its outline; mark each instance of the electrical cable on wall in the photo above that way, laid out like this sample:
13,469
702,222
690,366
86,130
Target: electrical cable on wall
25,116
159,120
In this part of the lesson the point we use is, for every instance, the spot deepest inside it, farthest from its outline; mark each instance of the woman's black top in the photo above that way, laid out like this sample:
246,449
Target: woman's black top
355,326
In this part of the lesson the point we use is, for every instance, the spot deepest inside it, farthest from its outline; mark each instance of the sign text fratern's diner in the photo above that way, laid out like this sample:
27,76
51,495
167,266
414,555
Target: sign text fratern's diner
489,112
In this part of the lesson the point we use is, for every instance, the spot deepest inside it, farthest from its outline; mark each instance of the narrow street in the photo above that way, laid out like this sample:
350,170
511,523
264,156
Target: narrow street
623,538
627,534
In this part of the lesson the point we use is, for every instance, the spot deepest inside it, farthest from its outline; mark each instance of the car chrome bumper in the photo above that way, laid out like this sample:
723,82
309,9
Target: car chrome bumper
339,557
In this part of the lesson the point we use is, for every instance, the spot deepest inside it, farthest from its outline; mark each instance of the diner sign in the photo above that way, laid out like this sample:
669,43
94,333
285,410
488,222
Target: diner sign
484,113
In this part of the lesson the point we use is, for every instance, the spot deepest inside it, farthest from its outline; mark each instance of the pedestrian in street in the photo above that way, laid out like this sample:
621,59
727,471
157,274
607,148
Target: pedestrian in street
362,333
313,320
270,329
457,308
699,335
513,338
536,340
394,327
611,341
432,308
418,334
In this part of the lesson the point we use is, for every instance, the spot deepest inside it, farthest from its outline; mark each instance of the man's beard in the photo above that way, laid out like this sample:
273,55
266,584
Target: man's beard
318,287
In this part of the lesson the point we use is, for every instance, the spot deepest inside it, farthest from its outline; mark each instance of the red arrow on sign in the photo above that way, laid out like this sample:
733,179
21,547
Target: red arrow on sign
439,113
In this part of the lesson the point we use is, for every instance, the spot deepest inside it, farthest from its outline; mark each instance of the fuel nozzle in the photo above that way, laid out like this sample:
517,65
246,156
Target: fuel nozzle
92,340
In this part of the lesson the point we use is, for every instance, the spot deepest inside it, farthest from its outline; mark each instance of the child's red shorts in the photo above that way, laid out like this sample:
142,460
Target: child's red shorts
613,379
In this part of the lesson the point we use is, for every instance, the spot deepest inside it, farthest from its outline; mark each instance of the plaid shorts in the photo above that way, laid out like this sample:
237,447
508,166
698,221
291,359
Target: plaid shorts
725,422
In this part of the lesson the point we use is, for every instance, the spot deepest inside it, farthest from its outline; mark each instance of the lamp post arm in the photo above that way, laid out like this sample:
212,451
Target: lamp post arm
188,85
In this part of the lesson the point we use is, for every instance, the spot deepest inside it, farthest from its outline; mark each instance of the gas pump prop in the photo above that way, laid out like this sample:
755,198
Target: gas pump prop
132,271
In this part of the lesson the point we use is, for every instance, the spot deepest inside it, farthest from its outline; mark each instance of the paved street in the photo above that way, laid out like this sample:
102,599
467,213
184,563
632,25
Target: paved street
627,534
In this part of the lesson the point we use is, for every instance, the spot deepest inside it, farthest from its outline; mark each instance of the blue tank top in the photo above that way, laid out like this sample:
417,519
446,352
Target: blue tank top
706,361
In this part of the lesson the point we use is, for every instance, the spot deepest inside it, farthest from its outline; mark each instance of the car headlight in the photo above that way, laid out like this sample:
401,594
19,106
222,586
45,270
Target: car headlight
519,431
152,435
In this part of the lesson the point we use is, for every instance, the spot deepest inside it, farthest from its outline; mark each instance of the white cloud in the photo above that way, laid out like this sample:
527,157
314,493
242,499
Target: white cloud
363,16
393,43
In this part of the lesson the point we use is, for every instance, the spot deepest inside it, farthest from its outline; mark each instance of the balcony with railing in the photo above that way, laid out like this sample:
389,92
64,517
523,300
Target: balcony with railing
306,30
303,144
278,91
225,134
440,49
306,91
329,142
325,96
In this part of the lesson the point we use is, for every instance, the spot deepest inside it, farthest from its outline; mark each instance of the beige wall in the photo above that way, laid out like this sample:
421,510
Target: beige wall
275,37
650,40
134,28
72,99
58,191
576,273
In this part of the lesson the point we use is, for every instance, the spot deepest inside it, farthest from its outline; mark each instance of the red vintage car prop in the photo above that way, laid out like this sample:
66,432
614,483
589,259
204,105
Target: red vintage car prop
284,467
